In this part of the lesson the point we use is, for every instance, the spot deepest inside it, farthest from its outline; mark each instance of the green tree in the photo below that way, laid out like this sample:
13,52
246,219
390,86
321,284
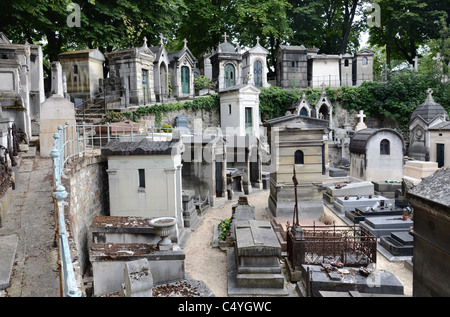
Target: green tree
405,25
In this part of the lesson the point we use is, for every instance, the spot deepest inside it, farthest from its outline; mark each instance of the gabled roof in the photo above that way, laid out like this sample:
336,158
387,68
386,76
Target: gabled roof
241,87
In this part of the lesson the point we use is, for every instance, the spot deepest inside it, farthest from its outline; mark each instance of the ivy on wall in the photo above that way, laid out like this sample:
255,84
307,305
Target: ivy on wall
397,98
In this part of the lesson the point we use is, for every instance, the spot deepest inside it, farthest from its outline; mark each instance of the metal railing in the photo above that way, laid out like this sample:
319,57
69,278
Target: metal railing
352,246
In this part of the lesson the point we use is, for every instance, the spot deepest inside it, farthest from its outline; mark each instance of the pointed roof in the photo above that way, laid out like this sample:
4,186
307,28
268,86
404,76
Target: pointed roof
258,48
429,110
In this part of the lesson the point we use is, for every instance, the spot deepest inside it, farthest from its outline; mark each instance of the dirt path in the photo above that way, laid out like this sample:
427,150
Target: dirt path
203,262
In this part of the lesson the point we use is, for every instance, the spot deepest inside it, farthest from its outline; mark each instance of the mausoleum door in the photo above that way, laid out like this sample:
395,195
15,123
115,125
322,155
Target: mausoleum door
440,149
257,73
163,79
248,121
185,79
304,112
145,85
229,76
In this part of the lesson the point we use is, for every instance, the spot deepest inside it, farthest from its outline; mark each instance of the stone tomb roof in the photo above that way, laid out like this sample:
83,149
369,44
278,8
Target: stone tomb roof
429,110
435,187
361,138
143,147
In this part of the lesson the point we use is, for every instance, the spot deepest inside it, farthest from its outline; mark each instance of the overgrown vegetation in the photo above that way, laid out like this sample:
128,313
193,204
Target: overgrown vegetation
397,98
203,104
224,227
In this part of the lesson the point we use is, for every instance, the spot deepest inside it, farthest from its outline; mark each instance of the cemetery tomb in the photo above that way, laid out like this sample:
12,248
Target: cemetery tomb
359,214
398,243
343,204
190,214
385,225
332,191
253,264
326,280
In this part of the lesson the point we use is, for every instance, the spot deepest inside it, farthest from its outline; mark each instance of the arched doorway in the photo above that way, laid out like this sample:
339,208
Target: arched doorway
185,80
230,76
257,73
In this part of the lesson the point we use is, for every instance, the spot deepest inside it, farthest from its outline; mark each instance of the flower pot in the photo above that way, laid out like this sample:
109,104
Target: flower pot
164,227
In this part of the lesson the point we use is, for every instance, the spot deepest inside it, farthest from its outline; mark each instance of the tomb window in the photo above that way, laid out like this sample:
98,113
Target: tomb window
365,61
141,178
298,157
346,63
75,69
229,109
385,147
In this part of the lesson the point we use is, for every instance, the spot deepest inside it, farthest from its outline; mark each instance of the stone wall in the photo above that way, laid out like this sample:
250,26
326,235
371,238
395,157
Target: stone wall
86,182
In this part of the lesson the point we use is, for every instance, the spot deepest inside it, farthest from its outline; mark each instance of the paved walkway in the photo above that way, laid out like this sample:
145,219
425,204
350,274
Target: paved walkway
31,219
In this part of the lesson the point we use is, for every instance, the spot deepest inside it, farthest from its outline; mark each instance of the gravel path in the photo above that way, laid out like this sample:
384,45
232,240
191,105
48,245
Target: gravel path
203,262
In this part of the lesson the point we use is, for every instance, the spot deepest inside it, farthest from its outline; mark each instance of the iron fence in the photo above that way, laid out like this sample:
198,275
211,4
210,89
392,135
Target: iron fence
352,246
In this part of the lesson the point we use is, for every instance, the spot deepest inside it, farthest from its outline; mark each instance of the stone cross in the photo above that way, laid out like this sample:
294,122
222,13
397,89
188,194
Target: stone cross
416,62
145,41
225,36
361,125
361,116
57,79
161,41
323,86
257,40
185,42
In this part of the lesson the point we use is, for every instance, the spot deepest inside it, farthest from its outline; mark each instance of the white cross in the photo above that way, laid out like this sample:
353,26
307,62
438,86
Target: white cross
416,62
161,39
257,40
185,42
361,116
145,41
225,36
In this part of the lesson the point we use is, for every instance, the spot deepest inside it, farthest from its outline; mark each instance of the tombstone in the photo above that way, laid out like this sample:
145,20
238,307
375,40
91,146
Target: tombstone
190,215
360,213
386,188
55,111
337,172
385,225
243,210
398,243
343,204
253,264
351,189
138,279
333,283
415,171
361,125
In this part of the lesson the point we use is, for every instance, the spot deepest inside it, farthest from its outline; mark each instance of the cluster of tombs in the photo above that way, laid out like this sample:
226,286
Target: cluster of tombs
369,194
158,190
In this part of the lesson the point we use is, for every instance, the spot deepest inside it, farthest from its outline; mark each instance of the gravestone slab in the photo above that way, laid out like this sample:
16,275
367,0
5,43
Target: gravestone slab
138,279
256,255
190,214
347,189
349,279
343,205
8,247
398,243
382,226
359,214
337,172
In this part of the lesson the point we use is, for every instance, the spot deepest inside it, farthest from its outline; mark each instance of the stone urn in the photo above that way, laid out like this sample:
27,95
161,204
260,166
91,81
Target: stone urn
164,227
